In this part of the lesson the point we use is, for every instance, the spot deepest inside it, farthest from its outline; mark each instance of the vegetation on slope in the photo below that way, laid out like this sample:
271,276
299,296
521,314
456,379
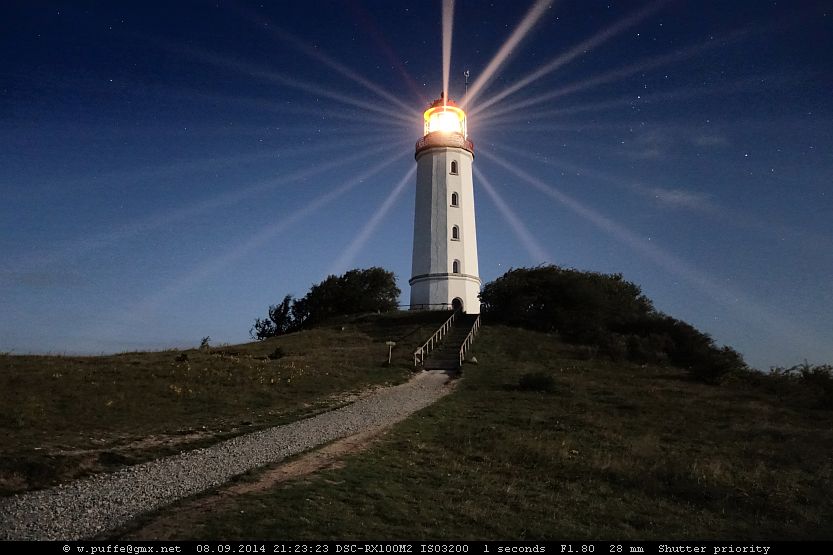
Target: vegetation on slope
62,417
607,313
355,292
616,450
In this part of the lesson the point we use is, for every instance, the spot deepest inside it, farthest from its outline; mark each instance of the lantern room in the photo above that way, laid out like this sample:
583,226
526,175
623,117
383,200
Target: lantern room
446,117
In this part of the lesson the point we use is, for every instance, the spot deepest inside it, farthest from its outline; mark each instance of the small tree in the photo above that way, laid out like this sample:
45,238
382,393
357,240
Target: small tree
357,291
279,322
581,306
605,311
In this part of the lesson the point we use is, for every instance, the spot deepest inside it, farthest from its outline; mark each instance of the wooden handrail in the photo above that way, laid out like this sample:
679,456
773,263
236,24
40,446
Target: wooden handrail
469,339
422,352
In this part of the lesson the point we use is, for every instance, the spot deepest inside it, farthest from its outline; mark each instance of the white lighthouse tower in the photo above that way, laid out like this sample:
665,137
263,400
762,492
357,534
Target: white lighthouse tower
444,271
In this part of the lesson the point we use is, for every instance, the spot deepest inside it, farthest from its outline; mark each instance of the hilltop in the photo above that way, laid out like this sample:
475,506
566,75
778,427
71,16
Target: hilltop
606,448
64,417
613,450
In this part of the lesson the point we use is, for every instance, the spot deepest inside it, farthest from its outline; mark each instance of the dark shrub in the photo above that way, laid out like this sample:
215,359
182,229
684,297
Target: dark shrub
355,292
615,346
276,354
537,381
581,306
818,379
652,348
804,384
279,322
605,311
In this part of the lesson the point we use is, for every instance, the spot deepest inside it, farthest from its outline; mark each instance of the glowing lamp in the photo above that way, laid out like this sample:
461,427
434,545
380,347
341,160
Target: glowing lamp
446,117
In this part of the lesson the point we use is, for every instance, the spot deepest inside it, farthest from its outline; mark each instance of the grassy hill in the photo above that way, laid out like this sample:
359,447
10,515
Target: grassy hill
616,450
63,417
612,450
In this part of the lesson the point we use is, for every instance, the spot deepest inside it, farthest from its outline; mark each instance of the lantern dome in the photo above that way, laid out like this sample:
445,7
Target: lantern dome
445,116
444,126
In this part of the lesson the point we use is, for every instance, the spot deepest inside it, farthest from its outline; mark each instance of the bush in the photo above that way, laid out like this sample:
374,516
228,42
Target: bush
580,306
802,385
816,378
605,311
357,291
537,381
615,346
279,322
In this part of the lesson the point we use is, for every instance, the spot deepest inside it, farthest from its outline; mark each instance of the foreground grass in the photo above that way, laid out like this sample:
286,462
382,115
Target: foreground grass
63,417
615,451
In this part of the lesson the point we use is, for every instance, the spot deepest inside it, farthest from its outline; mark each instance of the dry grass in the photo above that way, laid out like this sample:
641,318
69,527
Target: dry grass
614,452
64,417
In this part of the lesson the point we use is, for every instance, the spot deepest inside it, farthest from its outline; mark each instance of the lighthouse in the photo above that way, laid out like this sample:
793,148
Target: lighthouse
444,270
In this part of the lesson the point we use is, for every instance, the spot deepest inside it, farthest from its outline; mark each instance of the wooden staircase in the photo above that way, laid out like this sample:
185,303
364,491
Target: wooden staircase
447,348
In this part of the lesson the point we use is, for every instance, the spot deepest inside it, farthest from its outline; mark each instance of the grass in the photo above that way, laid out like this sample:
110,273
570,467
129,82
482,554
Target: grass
63,417
612,452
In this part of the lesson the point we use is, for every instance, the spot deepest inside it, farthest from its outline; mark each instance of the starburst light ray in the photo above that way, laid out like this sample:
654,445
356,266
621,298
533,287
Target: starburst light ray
572,54
448,28
537,253
273,106
746,84
627,71
314,53
680,199
344,261
521,31
270,75
753,312
383,45
83,245
266,234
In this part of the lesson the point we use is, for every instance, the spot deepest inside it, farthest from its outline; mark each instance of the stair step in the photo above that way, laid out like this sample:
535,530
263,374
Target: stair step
446,355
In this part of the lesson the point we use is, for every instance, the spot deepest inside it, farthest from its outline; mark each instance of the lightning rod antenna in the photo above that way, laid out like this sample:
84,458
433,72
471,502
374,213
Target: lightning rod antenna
466,74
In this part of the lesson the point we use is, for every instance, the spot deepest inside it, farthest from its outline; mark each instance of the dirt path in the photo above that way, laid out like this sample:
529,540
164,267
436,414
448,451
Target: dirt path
190,513
98,505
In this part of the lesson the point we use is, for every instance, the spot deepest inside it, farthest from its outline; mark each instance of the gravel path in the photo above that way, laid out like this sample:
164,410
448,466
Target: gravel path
88,507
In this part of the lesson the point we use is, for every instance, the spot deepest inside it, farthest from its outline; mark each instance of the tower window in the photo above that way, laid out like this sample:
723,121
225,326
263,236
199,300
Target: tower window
455,233
454,200
454,167
455,267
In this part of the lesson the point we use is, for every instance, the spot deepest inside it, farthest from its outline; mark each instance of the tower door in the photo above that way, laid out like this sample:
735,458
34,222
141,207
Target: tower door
457,304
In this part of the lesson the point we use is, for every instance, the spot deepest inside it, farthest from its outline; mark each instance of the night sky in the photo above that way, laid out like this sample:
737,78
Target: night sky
170,169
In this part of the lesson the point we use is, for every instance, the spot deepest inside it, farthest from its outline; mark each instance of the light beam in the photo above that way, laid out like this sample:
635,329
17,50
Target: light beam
572,54
537,253
359,241
267,74
300,45
267,234
448,27
626,71
740,85
685,200
752,311
530,19
83,245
